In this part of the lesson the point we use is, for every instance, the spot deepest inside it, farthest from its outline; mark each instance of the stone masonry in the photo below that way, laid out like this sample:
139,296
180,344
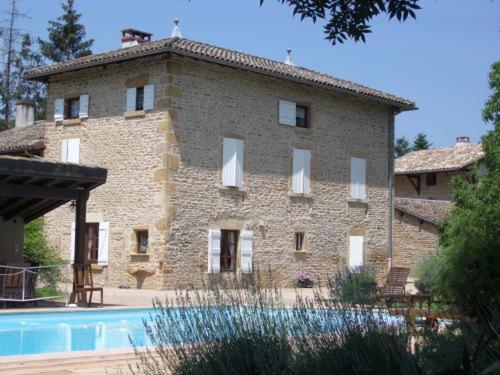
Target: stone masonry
164,170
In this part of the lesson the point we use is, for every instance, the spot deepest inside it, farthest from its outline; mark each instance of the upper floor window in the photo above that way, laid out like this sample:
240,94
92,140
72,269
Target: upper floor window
71,108
301,171
357,182
140,98
232,162
430,179
293,114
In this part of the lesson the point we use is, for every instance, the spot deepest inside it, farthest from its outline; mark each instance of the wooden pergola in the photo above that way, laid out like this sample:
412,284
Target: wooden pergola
31,187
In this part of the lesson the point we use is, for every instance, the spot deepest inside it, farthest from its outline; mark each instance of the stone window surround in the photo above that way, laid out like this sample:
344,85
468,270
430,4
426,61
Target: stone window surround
244,138
302,146
305,243
133,243
361,155
299,103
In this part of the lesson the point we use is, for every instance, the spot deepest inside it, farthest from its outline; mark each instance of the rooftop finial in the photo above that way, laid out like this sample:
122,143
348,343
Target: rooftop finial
288,59
176,31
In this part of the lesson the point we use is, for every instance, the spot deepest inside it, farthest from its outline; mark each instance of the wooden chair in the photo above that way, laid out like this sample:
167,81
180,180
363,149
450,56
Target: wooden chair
83,283
394,287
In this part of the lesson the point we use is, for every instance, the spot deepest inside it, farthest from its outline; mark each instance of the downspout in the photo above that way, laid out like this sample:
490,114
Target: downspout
390,192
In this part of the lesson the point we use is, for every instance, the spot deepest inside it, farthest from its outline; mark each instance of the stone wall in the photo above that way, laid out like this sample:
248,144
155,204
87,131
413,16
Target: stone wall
413,240
442,190
164,170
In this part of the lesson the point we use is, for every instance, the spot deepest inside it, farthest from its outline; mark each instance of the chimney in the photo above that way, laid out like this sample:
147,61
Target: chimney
133,37
176,31
462,141
288,59
25,113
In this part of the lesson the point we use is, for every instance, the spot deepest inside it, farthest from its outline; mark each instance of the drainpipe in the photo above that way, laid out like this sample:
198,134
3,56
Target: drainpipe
390,192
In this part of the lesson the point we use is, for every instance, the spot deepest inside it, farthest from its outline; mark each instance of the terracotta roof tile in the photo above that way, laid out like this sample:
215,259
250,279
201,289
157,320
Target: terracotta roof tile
29,138
438,159
429,210
224,56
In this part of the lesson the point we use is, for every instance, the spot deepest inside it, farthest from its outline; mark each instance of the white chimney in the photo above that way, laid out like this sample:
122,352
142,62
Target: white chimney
176,31
25,113
288,59
462,141
133,37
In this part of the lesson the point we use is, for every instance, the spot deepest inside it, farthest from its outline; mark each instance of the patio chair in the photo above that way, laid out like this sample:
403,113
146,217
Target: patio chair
394,287
84,283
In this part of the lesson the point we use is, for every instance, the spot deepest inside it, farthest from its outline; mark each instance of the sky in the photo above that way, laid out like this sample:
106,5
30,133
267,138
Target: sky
441,60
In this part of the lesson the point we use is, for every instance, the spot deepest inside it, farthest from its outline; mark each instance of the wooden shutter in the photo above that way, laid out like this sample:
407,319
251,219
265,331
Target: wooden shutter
59,110
72,244
232,162
73,147
355,251
246,237
239,162
84,106
287,113
64,150
301,171
102,249
357,184
149,97
306,154
131,97
362,178
214,236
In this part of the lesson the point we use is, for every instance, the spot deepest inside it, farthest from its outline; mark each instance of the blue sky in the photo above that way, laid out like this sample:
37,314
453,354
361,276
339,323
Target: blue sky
441,60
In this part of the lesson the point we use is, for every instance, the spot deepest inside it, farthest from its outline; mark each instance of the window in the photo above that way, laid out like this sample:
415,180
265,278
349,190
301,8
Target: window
142,241
356,251
91,242
430,179
293,114
301,171
140,98
299,241
232,162
357,183
70,150
229,244
72,108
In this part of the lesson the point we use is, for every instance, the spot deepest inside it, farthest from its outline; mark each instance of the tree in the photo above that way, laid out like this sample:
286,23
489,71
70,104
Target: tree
66,37
469,256
350,18
402,147
421,142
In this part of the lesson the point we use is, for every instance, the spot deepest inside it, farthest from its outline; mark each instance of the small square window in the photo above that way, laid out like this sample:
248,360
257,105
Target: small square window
142,241
302,113
73,108
299,241
430,179
139,99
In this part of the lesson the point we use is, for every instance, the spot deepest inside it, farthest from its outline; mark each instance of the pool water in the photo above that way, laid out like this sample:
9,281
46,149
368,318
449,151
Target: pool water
49,332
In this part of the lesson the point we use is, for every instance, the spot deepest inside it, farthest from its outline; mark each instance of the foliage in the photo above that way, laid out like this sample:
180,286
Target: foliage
469,260
421,142
349,18
66,37
354,285
402,147
426,272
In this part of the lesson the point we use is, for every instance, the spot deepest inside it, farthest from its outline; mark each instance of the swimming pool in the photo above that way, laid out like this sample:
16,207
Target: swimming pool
50,332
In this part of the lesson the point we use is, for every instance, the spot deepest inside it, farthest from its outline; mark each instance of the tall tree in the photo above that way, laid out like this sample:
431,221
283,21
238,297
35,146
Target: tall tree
66,39
349,18
402,147
421,142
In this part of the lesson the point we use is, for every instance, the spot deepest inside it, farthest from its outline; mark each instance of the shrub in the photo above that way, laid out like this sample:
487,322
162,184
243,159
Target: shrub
354,285
426,272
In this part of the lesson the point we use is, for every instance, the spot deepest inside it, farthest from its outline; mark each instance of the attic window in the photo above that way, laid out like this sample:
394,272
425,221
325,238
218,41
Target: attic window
430,179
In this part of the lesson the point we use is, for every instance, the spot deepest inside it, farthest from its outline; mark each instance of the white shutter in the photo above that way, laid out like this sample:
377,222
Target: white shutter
214,236
84,106
64,150
362,178
73,153
149,97
357,185
131,97
287,113
59,110
301,171
355,251
103,245
72,244
232,162
246,237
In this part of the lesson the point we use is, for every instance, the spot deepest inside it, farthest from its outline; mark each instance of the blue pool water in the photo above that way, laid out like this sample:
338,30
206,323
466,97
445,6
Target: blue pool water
50,332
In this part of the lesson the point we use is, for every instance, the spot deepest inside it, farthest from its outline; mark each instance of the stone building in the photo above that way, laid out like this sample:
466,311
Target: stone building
423,196
220,162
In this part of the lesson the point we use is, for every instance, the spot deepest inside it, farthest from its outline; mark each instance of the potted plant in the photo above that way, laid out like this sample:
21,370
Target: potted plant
304,279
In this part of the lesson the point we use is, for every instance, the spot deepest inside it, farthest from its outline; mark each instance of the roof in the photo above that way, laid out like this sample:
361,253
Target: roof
17,140
185,47
31,187
429,210
439,159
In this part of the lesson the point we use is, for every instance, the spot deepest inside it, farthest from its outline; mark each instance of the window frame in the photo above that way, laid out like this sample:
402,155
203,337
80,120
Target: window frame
68,115
299,239
306,108
225,256
93,251
139,105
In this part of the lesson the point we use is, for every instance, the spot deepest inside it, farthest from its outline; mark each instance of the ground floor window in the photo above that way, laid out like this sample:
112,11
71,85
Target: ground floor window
299,241
91,242
229,245
142,241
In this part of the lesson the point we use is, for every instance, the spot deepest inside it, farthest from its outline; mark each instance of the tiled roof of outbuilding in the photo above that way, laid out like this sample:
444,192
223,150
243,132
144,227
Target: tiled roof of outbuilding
28,138
429,210
438,159
224,56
